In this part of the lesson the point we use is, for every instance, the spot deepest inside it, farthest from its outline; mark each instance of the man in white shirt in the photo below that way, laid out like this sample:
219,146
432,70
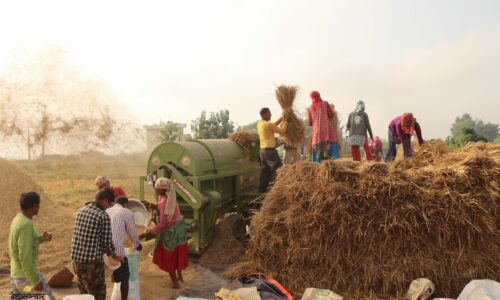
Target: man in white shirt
122,224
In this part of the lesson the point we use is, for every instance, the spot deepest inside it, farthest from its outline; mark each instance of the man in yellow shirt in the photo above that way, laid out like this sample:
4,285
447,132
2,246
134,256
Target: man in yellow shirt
269,158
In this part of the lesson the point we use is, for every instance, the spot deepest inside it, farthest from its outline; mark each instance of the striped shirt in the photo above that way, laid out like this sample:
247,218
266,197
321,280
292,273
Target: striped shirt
92,235
122,224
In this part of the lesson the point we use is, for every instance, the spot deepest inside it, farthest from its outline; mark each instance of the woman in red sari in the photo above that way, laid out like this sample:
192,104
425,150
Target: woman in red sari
171,250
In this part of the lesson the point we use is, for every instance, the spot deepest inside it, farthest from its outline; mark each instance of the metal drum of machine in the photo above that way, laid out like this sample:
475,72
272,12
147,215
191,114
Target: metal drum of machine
211,177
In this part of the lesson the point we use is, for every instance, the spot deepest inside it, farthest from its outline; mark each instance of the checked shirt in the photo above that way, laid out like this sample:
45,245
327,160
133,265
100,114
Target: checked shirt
92,235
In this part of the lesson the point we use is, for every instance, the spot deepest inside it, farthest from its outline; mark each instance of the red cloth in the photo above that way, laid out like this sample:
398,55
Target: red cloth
356,153
118,191
171,261
320,120
317,102
377,144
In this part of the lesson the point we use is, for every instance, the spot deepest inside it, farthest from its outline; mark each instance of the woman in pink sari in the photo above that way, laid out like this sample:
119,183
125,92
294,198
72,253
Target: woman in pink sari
171,250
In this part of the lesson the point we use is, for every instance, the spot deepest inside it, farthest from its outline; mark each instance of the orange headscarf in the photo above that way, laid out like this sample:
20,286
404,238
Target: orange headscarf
408,123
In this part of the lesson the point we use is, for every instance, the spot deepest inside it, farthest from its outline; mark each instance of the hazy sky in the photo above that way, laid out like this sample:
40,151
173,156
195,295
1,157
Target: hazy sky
169,60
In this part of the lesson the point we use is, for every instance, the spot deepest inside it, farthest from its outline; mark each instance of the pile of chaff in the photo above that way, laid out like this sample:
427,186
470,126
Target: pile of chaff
375,227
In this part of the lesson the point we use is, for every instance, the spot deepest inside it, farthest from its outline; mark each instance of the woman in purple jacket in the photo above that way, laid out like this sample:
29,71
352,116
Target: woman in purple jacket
401,129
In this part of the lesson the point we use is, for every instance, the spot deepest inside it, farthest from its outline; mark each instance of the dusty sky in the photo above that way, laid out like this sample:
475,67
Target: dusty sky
169,60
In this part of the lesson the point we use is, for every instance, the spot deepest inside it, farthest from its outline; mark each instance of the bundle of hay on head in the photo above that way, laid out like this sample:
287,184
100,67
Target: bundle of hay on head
295,132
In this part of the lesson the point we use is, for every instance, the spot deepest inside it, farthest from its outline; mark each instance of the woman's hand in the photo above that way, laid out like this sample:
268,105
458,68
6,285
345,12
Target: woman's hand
143,235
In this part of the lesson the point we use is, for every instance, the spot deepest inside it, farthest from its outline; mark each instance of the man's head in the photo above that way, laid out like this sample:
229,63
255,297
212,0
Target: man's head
122,200
104,197
30,203
265,113
102,182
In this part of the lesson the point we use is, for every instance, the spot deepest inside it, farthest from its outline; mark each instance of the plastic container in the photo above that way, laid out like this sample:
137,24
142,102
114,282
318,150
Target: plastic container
134,292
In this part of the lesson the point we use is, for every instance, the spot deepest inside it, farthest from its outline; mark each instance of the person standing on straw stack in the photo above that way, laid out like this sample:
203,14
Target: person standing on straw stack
358,124
320,117
270,160
401,129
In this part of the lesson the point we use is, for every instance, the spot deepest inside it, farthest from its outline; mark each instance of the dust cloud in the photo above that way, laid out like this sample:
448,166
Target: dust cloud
47,106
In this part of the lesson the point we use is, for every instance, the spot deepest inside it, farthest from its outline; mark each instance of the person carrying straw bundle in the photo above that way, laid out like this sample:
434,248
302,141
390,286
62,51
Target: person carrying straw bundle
320,116
171,249
295,132
270,160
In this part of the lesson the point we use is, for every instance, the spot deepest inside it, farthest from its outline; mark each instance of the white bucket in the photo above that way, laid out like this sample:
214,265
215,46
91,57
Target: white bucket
134,292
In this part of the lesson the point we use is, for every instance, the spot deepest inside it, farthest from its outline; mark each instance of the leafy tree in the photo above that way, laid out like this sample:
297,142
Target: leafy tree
488,130
216,126
169,132
466,135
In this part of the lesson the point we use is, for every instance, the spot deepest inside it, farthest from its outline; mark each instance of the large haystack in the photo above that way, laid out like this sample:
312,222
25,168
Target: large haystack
375,227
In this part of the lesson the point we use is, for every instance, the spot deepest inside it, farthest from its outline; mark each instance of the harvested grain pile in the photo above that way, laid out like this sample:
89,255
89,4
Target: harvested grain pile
225,250
14,182
244,138
295,132
375,227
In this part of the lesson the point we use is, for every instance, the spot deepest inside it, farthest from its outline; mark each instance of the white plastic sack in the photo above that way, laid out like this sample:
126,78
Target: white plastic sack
481,290
320,294
134,292
420,289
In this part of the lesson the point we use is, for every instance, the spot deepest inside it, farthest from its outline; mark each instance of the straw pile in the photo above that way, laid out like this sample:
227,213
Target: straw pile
375,227
295,132
225,250
244,138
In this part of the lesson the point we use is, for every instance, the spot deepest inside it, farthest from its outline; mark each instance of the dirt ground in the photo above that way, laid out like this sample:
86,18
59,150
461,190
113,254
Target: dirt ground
68,181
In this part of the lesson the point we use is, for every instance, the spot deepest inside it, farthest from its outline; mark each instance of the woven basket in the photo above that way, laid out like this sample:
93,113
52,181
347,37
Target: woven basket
62,278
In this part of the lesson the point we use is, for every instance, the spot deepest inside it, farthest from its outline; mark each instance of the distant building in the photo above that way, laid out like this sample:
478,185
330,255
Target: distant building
153,134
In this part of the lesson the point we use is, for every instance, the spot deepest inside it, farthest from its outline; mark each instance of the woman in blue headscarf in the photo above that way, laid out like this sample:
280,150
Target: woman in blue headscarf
358,125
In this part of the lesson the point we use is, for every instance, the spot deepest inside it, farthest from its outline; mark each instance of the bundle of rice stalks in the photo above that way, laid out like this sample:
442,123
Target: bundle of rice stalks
422,155
374,228
295,132
244,138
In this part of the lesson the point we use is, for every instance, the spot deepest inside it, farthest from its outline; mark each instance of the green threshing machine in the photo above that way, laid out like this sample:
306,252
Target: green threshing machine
211,178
